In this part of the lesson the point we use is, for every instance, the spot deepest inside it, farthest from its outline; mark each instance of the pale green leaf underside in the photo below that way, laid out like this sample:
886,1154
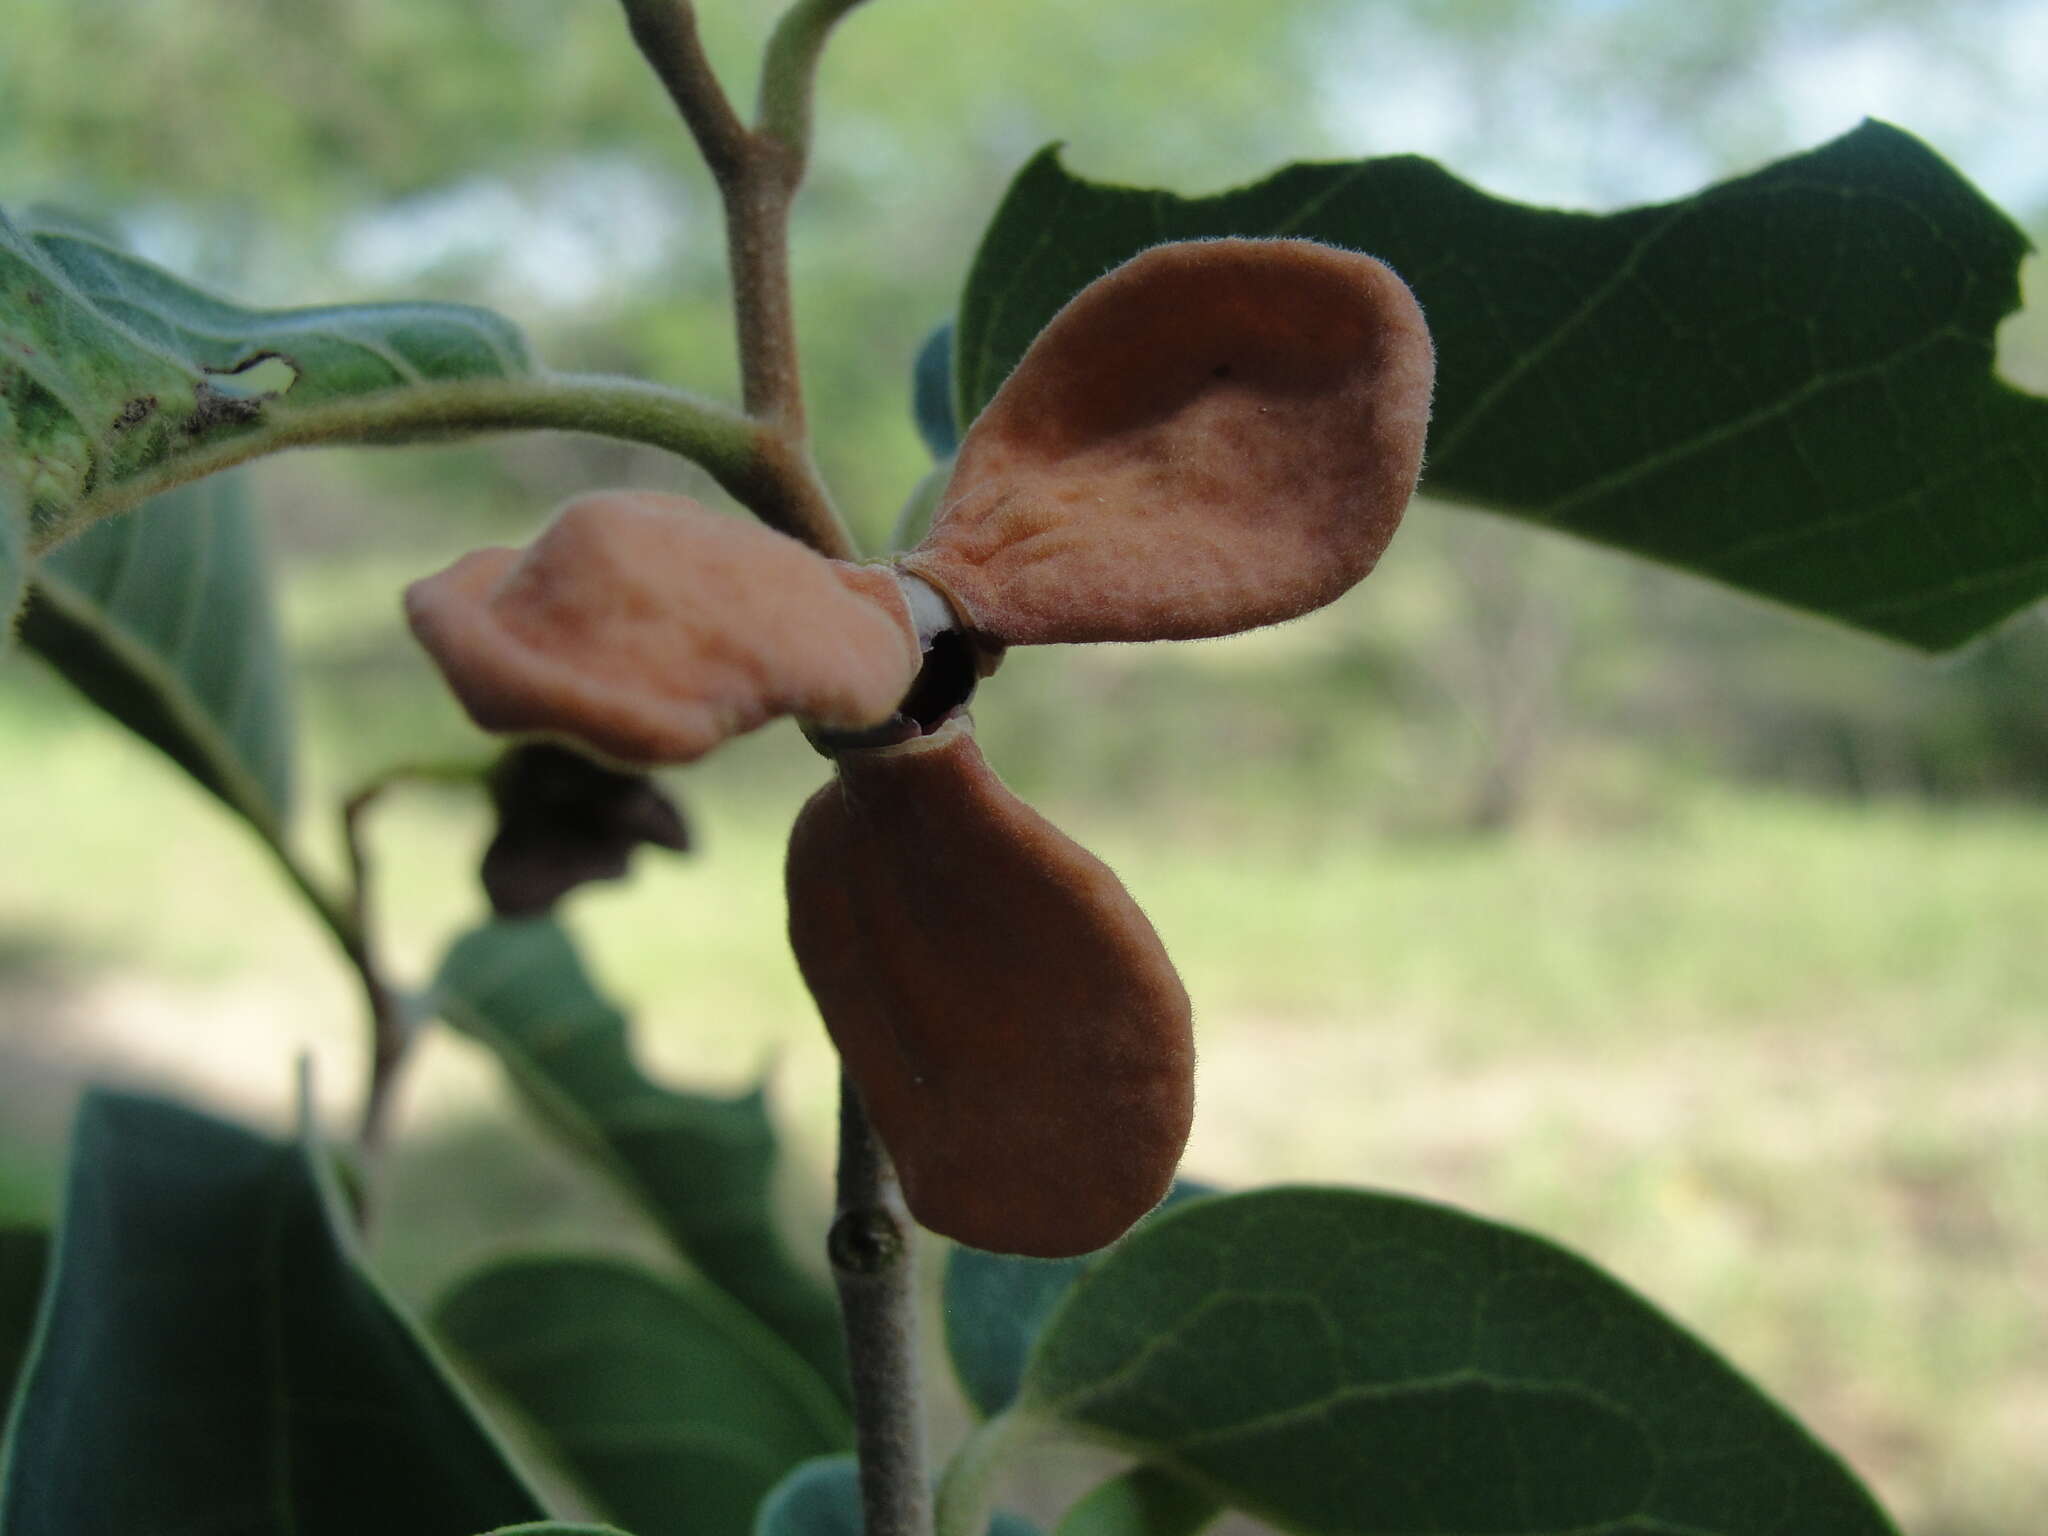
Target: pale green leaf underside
112,372
164,619
213,1358
1338,1361
703,1167
1784,383
676,1409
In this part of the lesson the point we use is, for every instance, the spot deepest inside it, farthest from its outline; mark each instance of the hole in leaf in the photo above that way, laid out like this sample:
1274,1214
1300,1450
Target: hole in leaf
267,373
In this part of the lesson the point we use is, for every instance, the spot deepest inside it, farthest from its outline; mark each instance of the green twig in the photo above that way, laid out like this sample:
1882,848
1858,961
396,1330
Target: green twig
789,74
733,450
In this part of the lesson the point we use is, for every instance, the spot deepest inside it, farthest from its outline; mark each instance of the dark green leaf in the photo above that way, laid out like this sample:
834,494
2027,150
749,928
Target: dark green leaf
24,1252
111,372
932,393
996,1305
1145,1501
1784,382
703,1167
163,618
1340,1361
822,1498
214,1358
674,1407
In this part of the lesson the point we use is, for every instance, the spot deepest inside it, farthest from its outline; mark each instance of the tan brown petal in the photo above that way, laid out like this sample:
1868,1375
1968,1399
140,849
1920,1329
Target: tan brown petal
651,628
1217,435
1016,1030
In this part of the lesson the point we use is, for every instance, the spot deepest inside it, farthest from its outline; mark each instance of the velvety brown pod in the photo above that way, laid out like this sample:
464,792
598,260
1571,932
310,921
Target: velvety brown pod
650,628
1015,1028
1217,435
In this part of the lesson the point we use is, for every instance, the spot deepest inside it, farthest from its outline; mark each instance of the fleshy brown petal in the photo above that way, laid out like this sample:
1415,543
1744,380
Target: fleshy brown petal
1016,1030
651,628
1217,435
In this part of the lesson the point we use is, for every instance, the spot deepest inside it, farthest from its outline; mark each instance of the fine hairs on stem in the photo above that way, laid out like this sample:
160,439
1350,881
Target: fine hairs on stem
758,170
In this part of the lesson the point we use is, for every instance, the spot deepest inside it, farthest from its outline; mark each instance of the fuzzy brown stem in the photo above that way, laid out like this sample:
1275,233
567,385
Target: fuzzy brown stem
666,34
874,1263
758,171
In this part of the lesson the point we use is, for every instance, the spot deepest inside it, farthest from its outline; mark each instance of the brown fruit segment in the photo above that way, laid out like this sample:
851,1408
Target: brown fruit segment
1217,435
650,628
1018,1035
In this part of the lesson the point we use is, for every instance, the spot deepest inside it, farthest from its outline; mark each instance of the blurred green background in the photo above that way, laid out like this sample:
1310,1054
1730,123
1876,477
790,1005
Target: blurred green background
1705,938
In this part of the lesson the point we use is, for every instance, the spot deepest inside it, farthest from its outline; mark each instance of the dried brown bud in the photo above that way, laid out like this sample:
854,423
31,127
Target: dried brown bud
1014,1026
652,629
564,821
1217,435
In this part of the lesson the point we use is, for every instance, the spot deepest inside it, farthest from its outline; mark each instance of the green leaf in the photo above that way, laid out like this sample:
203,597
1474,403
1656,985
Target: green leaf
931,393
822,1498
1784,382
164,619
213,1356
997,1304
112,372
674,1407
1341,1361
555,1528
702,1167
1145,1501
24,1254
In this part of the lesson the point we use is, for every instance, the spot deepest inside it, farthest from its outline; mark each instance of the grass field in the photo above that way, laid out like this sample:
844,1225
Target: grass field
1778,1063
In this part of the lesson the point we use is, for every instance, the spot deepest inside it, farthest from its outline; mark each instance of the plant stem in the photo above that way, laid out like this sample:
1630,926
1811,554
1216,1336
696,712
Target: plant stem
874,1265
666,33
391,1031
758,171
741,455
790,71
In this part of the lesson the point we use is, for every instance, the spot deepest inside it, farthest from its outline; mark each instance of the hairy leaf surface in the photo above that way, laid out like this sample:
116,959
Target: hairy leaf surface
164,619
113,372
1342,1361
215,1358
675,1407
702,1167
1784,382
